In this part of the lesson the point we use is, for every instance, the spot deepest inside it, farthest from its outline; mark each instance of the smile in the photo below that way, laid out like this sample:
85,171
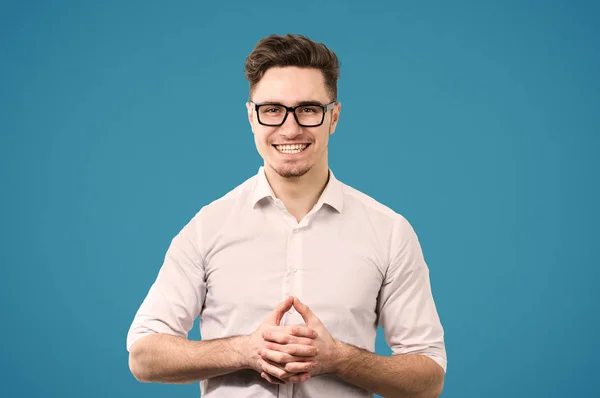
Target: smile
291,149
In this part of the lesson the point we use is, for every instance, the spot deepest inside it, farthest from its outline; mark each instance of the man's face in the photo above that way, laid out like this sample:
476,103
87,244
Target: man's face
291,86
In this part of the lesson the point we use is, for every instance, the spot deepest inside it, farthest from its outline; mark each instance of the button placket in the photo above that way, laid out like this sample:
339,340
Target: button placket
290,263
286,390
294,263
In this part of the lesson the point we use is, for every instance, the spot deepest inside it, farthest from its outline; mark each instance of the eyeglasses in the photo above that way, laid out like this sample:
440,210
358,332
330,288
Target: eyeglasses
307,114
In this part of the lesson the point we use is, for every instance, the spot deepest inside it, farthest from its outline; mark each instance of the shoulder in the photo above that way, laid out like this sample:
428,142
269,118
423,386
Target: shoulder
380,216
212,215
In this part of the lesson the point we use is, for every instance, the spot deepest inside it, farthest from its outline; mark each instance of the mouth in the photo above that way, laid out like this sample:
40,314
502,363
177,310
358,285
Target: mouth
292,149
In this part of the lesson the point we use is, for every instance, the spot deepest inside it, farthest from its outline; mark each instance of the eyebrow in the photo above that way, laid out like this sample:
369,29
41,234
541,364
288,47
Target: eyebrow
299,103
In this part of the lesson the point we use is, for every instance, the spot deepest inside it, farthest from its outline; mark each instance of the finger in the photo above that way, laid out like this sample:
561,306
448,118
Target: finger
299,367
298,350
275,336
291,331
272,369
281,358
271,379
274,318
301,331
299,378
308,316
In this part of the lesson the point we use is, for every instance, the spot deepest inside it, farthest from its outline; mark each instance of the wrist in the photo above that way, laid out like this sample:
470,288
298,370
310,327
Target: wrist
241,352
339,356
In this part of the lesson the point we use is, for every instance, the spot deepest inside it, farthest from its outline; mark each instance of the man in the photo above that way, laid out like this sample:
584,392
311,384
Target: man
292,271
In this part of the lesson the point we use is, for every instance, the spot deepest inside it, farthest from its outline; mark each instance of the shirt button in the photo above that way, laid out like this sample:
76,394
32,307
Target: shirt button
296,231
295,270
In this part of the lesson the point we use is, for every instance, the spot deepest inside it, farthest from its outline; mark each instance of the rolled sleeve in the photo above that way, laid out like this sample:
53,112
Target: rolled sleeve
407,311
176,297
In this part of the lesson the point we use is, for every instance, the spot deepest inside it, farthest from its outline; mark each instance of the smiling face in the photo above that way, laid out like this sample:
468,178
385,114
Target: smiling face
290,150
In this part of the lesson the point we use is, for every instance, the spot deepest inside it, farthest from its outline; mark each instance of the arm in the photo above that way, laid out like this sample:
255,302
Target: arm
411,324
173,359
157,339
412,329
409,375
399,376
166,358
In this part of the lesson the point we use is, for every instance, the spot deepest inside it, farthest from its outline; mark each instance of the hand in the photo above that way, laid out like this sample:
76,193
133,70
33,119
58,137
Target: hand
299,352
280,345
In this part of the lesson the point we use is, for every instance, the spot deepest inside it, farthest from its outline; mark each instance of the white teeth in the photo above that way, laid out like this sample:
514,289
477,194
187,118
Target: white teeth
296,148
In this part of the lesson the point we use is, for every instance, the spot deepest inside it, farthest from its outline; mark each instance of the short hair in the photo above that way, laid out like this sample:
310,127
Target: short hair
292,50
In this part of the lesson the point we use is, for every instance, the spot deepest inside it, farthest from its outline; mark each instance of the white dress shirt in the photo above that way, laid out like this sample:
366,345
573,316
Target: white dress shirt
353,261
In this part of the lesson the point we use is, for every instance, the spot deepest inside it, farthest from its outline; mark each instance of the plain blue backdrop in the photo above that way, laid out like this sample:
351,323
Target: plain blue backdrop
476,120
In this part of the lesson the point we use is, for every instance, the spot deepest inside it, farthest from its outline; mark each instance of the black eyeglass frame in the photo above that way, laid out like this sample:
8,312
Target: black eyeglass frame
292,109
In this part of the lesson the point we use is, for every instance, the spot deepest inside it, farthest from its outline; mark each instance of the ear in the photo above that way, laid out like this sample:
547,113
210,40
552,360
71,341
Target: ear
250,110
335,117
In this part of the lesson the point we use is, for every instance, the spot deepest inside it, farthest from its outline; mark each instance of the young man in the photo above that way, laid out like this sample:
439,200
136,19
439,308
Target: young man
292,271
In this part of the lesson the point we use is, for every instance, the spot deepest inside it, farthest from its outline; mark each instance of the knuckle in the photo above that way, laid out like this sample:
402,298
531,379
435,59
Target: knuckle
306,342
270,346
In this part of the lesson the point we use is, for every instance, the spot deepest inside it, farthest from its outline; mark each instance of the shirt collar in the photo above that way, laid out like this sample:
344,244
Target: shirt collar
332,194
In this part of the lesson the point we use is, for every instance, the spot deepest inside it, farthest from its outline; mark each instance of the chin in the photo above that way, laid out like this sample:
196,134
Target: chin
291,172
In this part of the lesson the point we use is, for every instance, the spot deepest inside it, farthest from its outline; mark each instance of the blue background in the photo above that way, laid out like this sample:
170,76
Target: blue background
476,120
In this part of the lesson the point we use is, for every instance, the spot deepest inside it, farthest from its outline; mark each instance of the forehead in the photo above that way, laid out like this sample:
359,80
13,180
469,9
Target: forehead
290,85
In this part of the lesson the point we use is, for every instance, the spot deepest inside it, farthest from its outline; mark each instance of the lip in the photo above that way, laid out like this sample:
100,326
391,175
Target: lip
293,154
292,143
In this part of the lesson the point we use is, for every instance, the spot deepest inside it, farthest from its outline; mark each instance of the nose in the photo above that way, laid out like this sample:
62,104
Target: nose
290,128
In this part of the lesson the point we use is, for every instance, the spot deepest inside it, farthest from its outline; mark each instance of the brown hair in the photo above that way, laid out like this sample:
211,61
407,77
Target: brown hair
292,50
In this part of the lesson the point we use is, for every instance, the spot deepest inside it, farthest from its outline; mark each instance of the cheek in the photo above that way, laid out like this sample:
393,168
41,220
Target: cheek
323,135
261,138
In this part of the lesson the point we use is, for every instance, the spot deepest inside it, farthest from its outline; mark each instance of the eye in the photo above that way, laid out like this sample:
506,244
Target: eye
309,109
271,110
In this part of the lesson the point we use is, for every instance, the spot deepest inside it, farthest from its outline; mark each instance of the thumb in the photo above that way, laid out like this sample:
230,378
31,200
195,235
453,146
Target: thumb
309,317
275,316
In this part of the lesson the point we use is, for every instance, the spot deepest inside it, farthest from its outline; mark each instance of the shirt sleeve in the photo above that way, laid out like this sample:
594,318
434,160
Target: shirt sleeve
177,295
407,312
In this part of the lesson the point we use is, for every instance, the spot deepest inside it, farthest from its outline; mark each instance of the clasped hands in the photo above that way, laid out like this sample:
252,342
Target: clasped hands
291,354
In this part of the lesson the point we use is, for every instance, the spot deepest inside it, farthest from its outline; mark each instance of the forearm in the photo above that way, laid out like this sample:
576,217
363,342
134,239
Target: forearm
398,376
171,359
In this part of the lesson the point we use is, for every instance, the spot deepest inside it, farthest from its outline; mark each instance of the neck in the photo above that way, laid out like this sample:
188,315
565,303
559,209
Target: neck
299,194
